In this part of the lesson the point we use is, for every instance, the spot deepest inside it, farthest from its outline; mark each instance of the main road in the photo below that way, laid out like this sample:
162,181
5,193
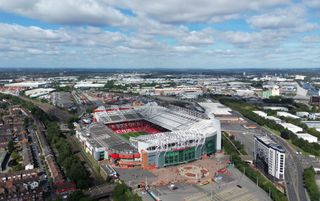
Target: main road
293,170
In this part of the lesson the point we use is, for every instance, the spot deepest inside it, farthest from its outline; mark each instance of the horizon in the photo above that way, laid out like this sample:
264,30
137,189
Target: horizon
202,34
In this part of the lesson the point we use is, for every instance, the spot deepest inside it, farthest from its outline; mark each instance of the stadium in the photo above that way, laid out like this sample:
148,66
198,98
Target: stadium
150,136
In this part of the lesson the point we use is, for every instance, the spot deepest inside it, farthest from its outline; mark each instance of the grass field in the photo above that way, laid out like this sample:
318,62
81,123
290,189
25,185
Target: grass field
133,134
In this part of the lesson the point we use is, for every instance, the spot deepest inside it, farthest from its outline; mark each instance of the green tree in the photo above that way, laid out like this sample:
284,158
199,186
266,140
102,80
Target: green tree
10,146
122,192
310,184
78,196
285,134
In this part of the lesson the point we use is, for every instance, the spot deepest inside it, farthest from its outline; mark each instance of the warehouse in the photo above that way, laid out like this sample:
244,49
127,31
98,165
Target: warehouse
307,137
291,127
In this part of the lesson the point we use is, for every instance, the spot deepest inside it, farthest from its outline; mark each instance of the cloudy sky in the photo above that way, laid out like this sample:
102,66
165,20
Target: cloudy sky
160,34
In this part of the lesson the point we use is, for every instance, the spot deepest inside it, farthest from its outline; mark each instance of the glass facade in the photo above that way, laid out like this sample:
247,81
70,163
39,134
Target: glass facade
176,157
210,145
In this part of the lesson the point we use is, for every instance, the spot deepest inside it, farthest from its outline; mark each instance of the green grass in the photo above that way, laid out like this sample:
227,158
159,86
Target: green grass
133,134
272,130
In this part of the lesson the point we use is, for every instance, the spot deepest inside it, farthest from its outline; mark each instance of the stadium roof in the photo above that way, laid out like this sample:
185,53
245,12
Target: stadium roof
99,135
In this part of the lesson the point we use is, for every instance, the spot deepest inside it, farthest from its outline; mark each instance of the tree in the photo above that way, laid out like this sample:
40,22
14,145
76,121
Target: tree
10,146
78,196
15,156
310,183
122,192
285,134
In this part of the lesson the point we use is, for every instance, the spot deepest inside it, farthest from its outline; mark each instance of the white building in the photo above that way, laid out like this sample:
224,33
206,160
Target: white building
33,93
177,91
299,77
303,114
307,137
265,115
244,92
286,114
215,108
277,120
291,127
269,156
29,84
88,85
275,91
260,113
313,124
276,108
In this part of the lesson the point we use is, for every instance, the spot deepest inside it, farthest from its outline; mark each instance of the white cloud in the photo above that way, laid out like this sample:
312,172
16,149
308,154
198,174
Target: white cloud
105,12
311,39
203,37
91,12
312,3
32,33
156,32
185,11
263,39
293,18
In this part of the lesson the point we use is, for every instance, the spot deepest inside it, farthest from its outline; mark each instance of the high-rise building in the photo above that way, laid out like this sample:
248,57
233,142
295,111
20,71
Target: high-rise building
269,157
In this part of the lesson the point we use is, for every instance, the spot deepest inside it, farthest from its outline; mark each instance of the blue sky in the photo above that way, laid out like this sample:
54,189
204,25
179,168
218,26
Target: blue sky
160,34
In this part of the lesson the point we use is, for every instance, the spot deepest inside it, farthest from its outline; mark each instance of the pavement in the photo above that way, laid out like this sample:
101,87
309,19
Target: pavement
135,176
233,186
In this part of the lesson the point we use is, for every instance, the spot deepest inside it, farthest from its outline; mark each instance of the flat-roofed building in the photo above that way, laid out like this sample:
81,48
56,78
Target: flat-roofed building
291,127
269,157
288,115
307,137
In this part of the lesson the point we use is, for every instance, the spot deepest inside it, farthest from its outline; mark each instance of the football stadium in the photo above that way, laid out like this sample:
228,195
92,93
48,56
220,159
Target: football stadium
150,136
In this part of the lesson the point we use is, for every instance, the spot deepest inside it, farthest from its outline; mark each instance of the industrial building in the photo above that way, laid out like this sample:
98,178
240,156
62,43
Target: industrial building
291,127
313,124
33,93
265,115
28,84
307,137
219,111
287,115
165,135
177,91
269,157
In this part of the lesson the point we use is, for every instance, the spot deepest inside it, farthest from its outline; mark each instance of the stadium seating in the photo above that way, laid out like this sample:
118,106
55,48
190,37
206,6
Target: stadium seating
135,126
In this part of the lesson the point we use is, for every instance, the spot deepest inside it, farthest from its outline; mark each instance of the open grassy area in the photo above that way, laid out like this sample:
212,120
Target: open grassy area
133,134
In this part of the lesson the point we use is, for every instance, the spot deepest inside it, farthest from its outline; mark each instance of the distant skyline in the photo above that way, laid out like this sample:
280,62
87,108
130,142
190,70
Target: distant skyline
160,34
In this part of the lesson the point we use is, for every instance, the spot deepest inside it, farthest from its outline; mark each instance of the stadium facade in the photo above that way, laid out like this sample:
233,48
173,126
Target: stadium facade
160,136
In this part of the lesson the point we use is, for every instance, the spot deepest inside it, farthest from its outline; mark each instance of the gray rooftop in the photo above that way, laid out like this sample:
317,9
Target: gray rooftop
102,136
269,142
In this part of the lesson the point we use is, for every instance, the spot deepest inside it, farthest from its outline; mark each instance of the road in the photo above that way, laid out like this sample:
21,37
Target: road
35,148
293,170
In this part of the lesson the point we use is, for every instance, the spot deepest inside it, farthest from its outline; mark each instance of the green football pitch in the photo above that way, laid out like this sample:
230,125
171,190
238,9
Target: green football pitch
133,134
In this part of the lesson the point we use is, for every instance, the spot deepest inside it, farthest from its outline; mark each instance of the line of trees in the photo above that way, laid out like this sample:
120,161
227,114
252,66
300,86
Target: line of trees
251,173
246,110
70,163
238,145
310,184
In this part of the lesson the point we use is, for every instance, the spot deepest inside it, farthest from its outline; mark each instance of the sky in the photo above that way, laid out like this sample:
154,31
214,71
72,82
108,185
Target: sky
160,34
